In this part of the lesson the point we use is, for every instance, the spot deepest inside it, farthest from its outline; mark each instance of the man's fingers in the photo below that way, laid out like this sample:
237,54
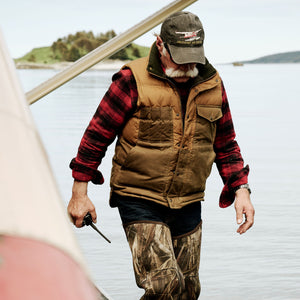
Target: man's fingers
244,227
75,218
94,216
78,222
239,215
249,221
78,219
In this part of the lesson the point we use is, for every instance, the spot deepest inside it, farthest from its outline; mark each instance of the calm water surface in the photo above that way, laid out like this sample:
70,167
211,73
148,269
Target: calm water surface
262,264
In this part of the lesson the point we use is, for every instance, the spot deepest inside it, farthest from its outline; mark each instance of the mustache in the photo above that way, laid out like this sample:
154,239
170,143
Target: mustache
172,73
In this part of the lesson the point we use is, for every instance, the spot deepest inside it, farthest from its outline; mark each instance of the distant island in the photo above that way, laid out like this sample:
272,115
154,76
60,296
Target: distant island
70,48
286,57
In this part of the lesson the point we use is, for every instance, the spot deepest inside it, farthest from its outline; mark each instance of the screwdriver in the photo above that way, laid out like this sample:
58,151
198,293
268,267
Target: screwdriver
89,221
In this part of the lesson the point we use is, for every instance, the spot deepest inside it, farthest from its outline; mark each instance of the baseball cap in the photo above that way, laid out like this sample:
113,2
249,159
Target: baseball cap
183,32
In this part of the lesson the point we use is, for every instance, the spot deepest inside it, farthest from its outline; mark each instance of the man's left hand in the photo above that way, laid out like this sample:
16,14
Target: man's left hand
244,207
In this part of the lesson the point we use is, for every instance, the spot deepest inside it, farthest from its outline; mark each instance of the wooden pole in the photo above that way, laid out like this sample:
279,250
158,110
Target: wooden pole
105,50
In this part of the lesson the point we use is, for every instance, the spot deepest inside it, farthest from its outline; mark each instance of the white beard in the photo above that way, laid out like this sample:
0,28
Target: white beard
172,73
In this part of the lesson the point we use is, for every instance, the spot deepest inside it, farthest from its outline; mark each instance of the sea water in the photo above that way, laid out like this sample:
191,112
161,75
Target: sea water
262,264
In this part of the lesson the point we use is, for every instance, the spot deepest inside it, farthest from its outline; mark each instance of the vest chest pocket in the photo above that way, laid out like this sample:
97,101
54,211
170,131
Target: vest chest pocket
156,124
205,128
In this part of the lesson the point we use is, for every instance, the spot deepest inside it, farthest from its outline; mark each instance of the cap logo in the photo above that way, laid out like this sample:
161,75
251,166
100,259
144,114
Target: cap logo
189,36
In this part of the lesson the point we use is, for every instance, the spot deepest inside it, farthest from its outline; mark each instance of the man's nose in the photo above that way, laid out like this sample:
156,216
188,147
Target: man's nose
187,67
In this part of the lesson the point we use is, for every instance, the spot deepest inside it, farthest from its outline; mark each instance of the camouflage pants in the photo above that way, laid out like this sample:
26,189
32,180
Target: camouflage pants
166,268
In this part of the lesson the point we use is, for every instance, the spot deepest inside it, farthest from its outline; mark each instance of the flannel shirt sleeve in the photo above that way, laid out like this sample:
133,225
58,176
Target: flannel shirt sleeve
115,108
228,159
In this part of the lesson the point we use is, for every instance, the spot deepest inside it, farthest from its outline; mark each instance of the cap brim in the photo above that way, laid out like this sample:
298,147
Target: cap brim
187,55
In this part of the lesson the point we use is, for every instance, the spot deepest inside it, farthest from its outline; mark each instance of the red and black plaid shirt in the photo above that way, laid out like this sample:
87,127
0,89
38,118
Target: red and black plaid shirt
116,107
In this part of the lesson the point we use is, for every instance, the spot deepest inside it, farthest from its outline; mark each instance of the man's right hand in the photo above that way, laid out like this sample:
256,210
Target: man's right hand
80,204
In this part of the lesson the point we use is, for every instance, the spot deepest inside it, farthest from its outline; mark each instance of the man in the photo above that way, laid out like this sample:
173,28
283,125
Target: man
171,116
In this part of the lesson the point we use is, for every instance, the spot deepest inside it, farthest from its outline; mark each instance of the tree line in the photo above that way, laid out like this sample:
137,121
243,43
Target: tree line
74,46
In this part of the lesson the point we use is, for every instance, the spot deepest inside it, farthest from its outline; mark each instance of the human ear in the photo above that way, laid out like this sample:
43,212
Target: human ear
159,44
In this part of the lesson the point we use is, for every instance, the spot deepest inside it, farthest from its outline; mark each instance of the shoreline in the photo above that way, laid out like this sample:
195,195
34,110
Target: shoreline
103,65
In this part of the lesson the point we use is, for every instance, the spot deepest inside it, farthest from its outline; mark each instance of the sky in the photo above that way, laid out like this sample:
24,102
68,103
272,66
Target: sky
234,29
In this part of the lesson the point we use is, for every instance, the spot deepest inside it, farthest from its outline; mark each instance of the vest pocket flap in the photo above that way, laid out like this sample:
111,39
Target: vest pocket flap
211,114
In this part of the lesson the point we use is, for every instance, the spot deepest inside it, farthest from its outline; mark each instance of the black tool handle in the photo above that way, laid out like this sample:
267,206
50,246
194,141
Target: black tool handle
87,220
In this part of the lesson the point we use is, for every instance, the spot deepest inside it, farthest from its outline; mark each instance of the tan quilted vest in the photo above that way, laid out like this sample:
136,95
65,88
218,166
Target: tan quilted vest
158,156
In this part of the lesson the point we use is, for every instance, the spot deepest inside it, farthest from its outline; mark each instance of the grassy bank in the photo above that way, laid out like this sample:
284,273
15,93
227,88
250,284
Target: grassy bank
44,55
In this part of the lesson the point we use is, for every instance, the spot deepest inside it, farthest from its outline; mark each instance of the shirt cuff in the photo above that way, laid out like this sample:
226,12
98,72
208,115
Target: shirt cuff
228,195
84,173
